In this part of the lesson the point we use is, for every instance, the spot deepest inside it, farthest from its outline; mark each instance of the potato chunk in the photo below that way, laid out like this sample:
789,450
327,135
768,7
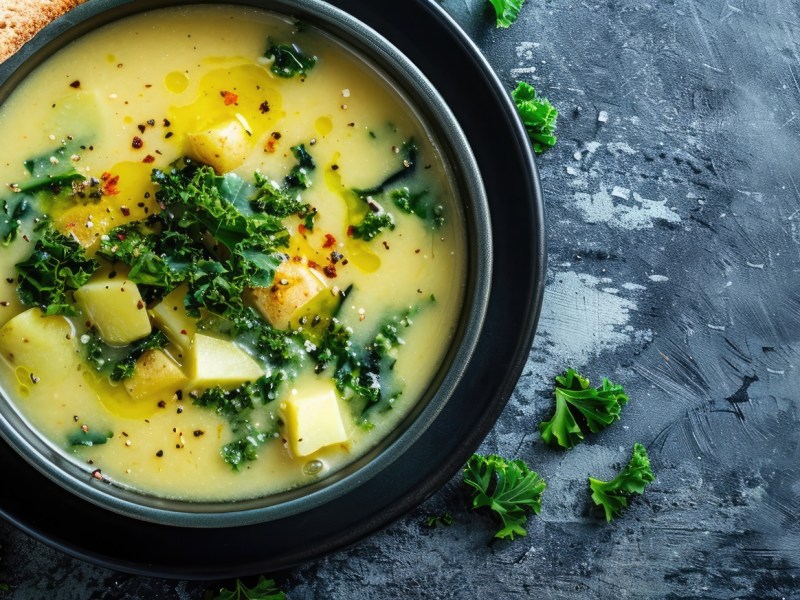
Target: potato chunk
294,285
155,373
171,318
224,146
116,309
213,361
44,346
313,420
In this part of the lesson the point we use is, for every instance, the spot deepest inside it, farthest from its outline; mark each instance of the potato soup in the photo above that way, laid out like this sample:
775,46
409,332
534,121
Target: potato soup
232,256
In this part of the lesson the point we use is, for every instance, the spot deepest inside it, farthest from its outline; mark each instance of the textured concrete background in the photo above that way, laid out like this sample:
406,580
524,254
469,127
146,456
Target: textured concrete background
674,252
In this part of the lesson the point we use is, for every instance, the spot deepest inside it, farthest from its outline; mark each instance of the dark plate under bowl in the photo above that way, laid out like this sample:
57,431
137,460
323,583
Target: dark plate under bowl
424,33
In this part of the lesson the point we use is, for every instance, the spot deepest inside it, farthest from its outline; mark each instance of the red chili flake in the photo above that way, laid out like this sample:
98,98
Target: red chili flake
330,241
313,264
229,97
272,141
126,212
140,305
75,84
148,159
137,142
184,332
121,236
110,183
302,229
349,231
329,270
264,107
98,475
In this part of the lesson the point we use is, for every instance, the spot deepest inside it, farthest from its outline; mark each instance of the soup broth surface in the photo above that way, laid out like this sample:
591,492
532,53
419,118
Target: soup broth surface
153,373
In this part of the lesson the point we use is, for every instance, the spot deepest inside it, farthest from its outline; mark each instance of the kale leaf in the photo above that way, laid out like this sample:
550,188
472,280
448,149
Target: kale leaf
51,170
15,209
89,437
289,60
126,367
298,177
508,488
245,448
265,589
538,116
614,495
506,11
57,265
420,204
372,224
580,407
231,403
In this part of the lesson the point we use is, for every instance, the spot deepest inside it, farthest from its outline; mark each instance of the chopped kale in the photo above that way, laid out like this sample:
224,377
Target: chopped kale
408,154
56,266
298,177
89,437
245,448
538,116
230,403
507,11
420,204
15,209
289,60
51,170
126,367
274,200
372,224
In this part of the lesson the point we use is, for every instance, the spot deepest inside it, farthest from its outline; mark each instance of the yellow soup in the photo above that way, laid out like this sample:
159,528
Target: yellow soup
232,261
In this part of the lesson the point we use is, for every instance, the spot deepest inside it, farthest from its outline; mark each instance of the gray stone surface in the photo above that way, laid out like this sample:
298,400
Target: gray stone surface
673,269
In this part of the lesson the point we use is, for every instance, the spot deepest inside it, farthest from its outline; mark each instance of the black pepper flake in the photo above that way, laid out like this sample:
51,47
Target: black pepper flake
179,410
166,123
198,432
179,394
276,135
112,274
160,453
169,135
126,212
10,279
75,418
141,128
385,244
75,84
151,122
137,142
4,303
34,379
264,107
162,404
334,167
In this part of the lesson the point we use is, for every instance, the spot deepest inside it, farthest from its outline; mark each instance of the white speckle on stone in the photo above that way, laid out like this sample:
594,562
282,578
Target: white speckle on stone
620,148
591,147
621,192
577,155
572,171
602,117
715,327
658,278
642,214
754,265
633,287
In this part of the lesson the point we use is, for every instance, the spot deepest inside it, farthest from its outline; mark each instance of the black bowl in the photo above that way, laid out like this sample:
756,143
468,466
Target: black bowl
482,368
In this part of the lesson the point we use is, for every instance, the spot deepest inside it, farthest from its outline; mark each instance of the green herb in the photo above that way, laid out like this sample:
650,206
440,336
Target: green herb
436,520
507,11
245,448
614,495
274,200
508,488
229,403
298,176
420,204
538,116
372,224
51,170
14,211
265,589
56,266
290,60
89,438
580,407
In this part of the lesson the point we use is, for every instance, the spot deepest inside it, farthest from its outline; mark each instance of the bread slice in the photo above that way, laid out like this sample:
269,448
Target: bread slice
20,20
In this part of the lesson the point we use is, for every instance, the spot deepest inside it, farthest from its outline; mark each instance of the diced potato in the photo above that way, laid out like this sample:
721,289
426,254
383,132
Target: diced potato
44,346
312,420
156,373
116,309
294,285
213,361
224,146
171,318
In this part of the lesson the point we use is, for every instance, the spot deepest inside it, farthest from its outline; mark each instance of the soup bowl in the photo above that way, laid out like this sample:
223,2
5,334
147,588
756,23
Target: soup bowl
500,200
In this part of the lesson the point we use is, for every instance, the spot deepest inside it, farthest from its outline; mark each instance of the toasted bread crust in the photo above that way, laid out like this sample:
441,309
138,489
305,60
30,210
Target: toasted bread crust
20,20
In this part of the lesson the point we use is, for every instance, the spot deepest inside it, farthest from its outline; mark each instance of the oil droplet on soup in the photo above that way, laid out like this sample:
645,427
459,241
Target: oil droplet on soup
235,259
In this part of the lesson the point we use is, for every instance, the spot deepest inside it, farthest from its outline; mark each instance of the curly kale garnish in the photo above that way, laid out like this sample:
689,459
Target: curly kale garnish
56,266
538,116
614,495
289,59
580,407
510,489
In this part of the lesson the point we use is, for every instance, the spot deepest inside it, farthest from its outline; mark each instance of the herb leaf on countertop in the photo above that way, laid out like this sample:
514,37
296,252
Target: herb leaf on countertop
509,488
507,11
614,495
538,116
580,407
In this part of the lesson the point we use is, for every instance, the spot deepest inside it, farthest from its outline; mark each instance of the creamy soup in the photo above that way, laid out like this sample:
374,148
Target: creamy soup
232,261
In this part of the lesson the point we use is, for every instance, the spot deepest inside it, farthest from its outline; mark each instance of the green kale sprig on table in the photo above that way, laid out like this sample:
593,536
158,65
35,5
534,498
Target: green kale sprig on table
614,495
581,408
538,116
510,489
264,589
507,11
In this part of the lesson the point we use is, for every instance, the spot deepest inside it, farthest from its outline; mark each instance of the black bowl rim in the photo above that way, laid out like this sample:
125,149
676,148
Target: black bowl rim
432,39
